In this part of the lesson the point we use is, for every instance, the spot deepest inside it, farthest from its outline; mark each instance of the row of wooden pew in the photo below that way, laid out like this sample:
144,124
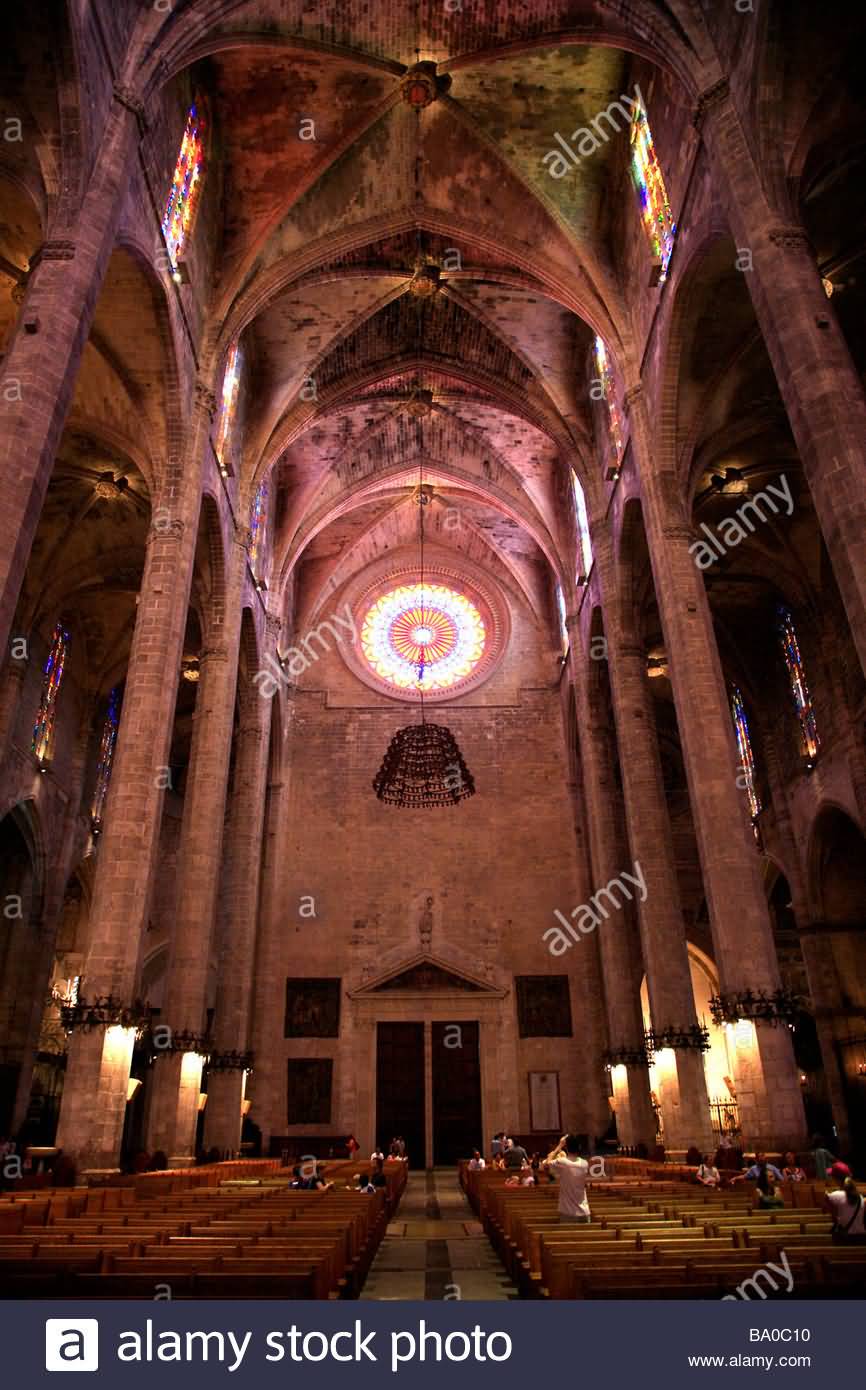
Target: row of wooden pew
196,1235
650,1238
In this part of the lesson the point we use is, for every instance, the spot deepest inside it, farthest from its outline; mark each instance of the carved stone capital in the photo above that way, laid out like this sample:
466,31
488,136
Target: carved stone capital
789,238
273,625
205,399
572,622
631,395
712,96
167,528
57,249
19,290
216,652
130,99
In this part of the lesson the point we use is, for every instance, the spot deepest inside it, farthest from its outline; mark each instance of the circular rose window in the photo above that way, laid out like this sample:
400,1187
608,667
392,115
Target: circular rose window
422,637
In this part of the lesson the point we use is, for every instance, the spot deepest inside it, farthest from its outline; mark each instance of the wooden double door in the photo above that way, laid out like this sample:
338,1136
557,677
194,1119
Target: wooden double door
429,1076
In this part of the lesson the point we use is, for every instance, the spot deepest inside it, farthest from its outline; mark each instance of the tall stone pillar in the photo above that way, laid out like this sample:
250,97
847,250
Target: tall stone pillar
238,918
11,685
94,1101
818,381
174,1093
684,1102
41,365
768,1091
268,1082
621,961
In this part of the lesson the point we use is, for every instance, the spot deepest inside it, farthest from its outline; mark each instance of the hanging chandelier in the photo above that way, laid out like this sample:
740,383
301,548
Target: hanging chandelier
423,765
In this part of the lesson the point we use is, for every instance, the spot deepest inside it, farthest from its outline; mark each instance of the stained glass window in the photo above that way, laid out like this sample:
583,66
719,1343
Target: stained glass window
658,220
52,677
563,625
584,554
797,680
744,747
258,525
106,757
228,401
185,186
604,374
423,637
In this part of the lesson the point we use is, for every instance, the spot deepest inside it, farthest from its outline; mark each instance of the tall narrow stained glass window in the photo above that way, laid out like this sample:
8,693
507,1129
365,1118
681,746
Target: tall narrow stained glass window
106,757
228,402
584,553
655,210
563,625
258,525
797,680
185,188
604,374
744,747
52,678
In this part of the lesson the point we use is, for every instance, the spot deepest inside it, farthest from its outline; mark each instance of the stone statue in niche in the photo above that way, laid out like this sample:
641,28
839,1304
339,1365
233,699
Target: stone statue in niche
425,924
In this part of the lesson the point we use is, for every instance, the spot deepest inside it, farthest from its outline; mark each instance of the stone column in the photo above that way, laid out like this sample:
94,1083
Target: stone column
11,684
175,1089
41,365
768,1091
268,1084
238,917
818,381
94,1102
684,1101
621,961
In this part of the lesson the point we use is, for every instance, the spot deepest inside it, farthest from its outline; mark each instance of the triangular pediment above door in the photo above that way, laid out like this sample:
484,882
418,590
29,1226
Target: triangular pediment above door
425,975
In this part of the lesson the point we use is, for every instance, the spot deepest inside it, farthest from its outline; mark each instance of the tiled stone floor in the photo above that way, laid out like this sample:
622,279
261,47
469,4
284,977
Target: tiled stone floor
435,1249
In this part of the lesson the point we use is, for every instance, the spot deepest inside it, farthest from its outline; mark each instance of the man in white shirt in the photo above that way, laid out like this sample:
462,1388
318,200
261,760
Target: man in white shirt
476,1162
572,1173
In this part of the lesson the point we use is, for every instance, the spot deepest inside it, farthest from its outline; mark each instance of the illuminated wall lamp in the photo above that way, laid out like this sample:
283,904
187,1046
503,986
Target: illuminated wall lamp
180,274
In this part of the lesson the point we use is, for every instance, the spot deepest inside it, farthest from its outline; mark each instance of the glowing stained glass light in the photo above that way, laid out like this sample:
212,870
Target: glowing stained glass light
797,680
584,558
604,374
658,220
106,757
185,187
52,677
744,747
228,401
563,625
423,637
258,525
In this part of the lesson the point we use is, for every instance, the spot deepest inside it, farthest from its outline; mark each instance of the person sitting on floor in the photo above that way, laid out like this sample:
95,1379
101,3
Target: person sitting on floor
792,1172
708,1173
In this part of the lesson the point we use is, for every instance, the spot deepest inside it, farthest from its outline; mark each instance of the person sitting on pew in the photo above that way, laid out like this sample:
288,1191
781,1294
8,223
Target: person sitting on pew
707,1173
758,1170
847,1206
792,1172
476,1162
768,1195
377,1156
516,1155
362,1183
378,1179
572,1171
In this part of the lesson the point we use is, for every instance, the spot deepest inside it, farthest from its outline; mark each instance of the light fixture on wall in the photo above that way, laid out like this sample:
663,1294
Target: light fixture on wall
423,765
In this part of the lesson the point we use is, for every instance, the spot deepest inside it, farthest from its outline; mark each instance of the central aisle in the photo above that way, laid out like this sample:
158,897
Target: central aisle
435,1249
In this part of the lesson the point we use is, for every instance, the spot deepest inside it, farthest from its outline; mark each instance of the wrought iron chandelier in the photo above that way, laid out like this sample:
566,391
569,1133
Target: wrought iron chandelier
423,765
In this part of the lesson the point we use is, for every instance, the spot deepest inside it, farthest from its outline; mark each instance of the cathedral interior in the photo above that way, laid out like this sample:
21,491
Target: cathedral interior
433,579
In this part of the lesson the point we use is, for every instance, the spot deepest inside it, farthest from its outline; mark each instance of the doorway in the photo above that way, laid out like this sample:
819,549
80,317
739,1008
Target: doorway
456,1092
400,1088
